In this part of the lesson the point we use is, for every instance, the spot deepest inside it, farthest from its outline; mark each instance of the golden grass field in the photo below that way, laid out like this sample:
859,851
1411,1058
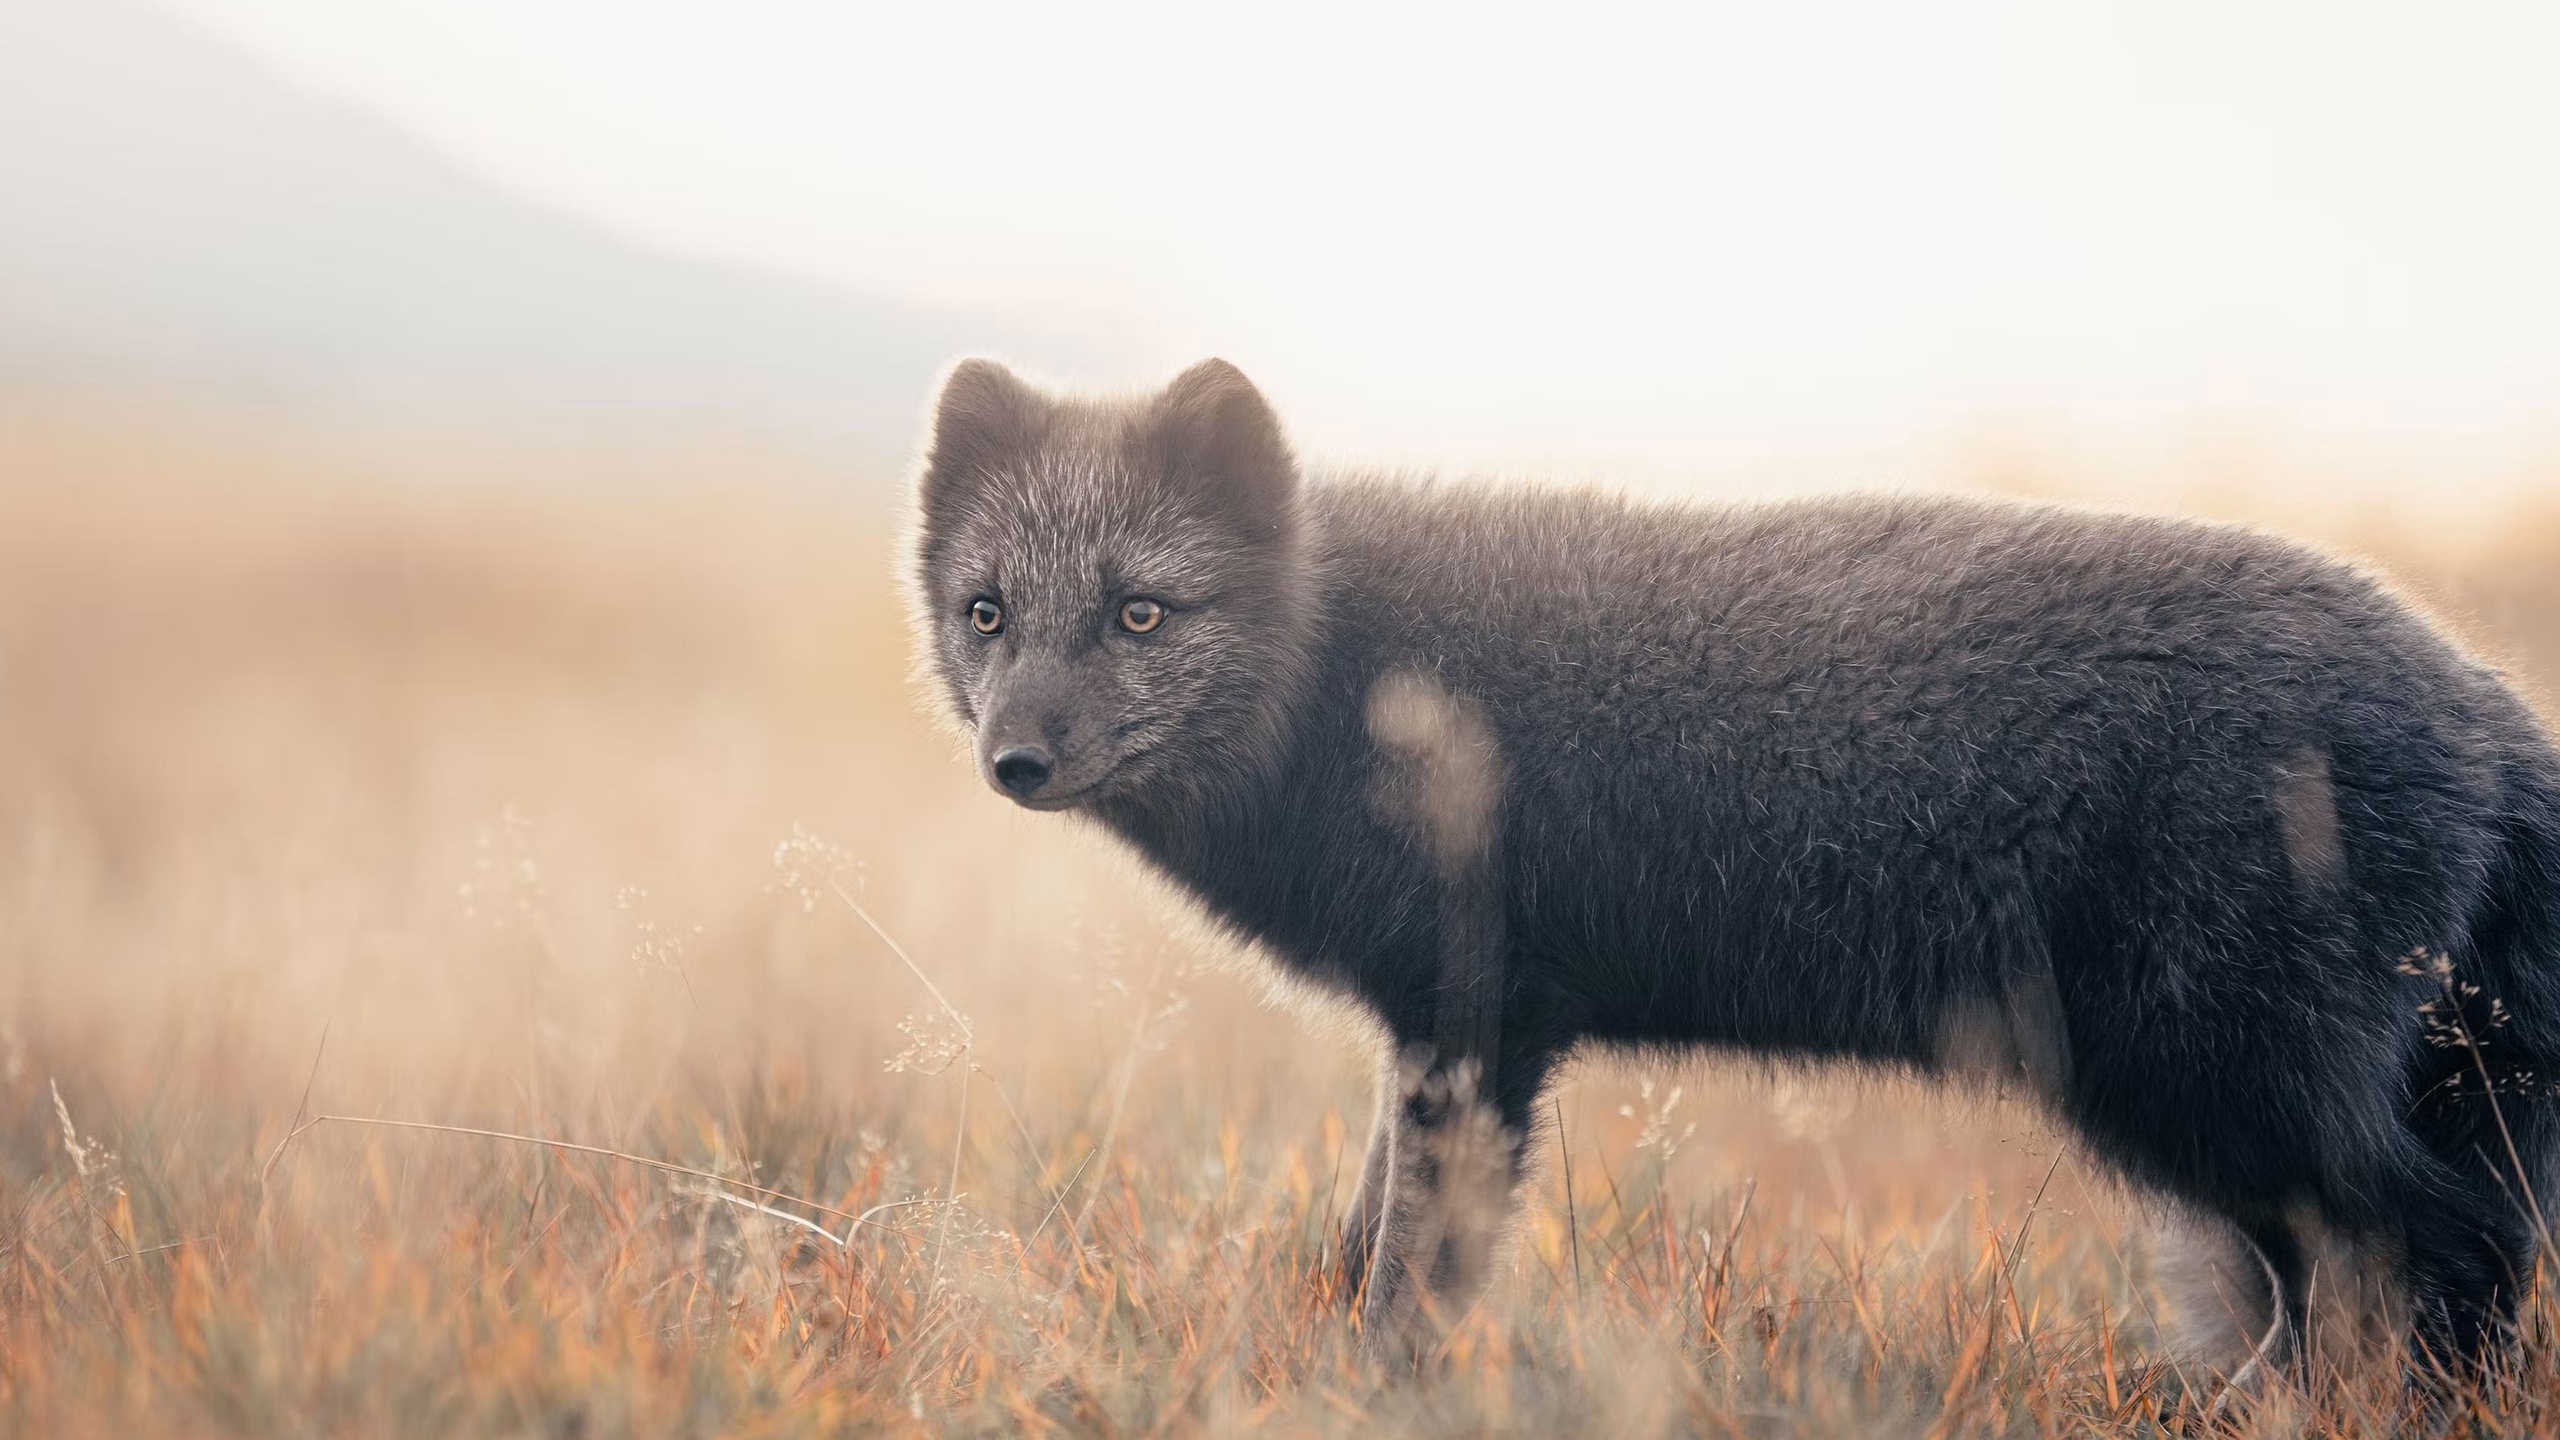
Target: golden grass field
573,818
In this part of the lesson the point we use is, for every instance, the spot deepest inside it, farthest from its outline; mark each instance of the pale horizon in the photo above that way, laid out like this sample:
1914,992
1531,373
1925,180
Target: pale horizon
1738,242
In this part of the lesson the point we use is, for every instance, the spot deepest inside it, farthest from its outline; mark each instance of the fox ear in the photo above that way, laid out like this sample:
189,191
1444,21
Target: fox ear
984,418
1215,432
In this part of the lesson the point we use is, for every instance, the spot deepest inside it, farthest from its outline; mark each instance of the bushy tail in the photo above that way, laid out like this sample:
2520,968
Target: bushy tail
2517,948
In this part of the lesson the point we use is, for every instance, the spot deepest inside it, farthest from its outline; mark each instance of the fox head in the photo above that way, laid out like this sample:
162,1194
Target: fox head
1112,595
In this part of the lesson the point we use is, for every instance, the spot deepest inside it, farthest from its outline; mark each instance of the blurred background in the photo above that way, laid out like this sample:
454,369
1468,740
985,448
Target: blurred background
452,669
1710,245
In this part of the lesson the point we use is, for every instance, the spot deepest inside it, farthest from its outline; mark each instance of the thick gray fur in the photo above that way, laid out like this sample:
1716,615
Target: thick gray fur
2182,825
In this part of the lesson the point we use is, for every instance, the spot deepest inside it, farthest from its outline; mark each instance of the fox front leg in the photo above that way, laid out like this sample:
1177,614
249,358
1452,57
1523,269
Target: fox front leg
1444,1166
1447,1156
1448,1160
1452,1165
1368,1199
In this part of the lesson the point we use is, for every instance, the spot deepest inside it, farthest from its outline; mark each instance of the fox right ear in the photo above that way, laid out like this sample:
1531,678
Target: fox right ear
1213,427
984,418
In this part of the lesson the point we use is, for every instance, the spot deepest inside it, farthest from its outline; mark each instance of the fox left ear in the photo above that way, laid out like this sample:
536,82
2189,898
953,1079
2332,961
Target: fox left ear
1216,432
983,419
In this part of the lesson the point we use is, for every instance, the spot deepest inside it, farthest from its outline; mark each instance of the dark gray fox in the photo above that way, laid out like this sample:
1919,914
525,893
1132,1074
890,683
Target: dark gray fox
2211,841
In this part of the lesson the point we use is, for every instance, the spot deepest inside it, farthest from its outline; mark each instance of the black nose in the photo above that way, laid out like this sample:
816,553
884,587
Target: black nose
1023,769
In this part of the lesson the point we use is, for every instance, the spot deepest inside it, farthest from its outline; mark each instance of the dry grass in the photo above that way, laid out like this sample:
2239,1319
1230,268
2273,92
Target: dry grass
563,819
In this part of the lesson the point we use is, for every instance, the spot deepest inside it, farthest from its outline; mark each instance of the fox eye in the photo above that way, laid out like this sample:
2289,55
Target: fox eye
986,616
1140,616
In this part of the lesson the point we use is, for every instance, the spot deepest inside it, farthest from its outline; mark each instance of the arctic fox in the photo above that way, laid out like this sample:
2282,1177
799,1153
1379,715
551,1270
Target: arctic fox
2211,841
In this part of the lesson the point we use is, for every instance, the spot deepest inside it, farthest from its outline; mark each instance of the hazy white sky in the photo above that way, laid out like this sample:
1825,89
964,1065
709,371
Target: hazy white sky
1676,231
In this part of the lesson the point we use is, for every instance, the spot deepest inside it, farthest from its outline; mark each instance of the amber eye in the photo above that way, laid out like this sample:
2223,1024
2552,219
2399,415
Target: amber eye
986,616
1140,616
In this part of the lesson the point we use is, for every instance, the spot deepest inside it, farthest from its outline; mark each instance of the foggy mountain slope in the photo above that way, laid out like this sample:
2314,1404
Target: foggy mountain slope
172,215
